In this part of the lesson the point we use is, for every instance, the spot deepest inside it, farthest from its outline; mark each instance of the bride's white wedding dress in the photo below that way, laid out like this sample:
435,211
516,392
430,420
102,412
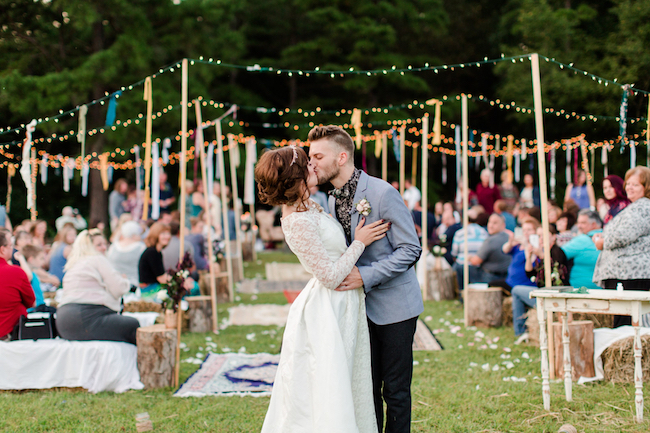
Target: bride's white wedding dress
324,381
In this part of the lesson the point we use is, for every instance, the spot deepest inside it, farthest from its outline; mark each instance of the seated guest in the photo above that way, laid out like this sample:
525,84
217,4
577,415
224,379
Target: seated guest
476,235
535,271
16,294
501,208
70,216
125,253
564,224
32,258
485,193
583,251
197,241
490,262
38,230
581,192
92,292
60,251
21,238
509,192
529,196
171,251
451,227
516,248
615,196
151,267
416,213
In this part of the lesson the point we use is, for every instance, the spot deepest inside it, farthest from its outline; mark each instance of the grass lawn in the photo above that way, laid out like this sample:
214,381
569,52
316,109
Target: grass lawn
459,389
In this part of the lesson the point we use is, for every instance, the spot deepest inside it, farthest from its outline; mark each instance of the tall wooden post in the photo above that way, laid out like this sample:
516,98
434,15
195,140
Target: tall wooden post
465,180
148,96
208,215
224,210
541,162
425,203
33,212
183,163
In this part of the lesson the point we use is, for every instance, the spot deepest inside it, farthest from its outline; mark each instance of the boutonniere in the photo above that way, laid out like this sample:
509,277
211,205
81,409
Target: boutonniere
363,207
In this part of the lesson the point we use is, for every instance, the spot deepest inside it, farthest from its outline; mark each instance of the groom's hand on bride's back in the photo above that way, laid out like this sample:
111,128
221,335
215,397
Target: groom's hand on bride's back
372,232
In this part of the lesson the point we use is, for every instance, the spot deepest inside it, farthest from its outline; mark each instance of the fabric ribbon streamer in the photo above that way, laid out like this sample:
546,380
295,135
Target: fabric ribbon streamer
604,159
68,174
517,166
85,169
622,124
524,149
458,154
575,161
632,154
444,168
511,140
112,108
11,172
44,169
484,153
379,143
553,170
233,149
81,133
155,180
437,125
26,167
249,175
103,170
109,173
199,142
209,168
356,122
393,133
567,172
166,145
138,168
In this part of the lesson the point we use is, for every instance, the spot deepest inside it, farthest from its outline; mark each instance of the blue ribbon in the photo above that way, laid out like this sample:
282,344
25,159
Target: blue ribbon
393,133
622,124
112,107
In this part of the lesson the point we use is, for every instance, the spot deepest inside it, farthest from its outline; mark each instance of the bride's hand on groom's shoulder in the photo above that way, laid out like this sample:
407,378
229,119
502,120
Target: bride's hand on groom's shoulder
371,232
351,282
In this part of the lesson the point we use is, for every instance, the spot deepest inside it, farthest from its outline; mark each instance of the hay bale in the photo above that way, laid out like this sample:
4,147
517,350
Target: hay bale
600,320
142,307
506,316
618,360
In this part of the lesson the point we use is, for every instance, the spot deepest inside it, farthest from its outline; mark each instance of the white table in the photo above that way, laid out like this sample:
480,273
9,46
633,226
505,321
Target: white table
626,303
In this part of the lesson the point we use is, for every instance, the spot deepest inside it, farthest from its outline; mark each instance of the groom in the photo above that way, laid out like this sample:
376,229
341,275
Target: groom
385,270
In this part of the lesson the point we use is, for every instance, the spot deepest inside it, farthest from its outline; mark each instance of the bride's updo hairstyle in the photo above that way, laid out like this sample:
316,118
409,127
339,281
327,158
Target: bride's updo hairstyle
281,176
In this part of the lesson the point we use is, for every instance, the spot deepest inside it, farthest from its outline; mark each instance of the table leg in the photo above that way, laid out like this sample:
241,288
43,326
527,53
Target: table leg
543,345
567,357
638,371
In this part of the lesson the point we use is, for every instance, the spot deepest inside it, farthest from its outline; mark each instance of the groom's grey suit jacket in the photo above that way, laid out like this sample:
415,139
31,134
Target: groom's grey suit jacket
387,265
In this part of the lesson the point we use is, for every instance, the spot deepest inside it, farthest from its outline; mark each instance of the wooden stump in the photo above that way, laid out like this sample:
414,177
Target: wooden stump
506,315
220,273
236,260
484,307
581,345
442,282
156,355
247,246
200,313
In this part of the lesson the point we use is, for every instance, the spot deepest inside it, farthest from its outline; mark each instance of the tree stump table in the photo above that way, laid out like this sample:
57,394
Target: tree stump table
156,355
581,348
199,313
484,307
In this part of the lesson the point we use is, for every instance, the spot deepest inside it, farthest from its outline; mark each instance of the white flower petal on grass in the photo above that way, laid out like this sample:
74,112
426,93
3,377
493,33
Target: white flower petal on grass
199,355
479,334
460,346
183,345
251,336
242,349
507,349
493,346
473,364
525,355
478,387
495,368
416,363
226,350
495,339
253,297
509,365
208,338
428,319
485,367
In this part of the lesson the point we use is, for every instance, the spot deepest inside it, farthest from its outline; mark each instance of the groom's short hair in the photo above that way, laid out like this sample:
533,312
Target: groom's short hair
336,134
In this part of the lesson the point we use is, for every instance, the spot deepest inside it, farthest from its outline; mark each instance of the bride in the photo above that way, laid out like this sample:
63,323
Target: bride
323,382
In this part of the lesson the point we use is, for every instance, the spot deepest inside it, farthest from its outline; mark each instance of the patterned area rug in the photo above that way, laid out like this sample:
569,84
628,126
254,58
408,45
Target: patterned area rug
232,374
424,338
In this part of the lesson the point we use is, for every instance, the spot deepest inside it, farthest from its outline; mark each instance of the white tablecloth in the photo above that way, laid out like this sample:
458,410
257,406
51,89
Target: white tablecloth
93,365
145,319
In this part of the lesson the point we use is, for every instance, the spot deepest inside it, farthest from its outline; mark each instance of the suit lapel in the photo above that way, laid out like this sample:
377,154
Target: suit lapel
359,194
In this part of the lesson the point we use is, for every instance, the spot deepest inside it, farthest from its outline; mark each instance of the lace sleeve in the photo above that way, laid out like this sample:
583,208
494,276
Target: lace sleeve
302,236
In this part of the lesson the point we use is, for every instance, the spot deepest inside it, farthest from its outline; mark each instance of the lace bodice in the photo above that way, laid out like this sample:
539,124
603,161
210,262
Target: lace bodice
318,241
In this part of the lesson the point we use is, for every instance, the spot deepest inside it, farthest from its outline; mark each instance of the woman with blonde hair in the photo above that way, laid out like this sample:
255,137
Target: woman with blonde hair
92,292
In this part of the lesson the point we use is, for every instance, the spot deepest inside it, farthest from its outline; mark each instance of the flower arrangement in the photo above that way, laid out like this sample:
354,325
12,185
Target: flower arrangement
559,274
439,249
173,291
363,207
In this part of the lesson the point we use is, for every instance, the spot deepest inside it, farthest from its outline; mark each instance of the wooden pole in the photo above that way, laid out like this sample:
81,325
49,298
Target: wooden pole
224,210
33,212
208,215
148,96
183,163
414,164
402,158
235,204
425,203
541,162
465,138
384,157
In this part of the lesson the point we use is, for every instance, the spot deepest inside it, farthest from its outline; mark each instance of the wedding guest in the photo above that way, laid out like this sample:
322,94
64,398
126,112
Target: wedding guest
116,232
70,216
167,197
529,196
615,196
16,294
516,247
472,198
487,195
4,218
411,194
625,242
581,192
125,253
60,251
33,258
509,192
91,295
196,239
554,213
476,235
21,238
490,262
171,251
582,251
501,208
417,213
564,224
134,203
38,230
116,201
451,227
438,209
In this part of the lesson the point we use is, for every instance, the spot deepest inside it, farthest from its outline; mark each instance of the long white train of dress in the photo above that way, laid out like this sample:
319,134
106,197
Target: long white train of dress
324,381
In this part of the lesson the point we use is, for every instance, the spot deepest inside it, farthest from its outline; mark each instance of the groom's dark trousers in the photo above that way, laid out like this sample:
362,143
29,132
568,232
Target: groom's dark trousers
392,370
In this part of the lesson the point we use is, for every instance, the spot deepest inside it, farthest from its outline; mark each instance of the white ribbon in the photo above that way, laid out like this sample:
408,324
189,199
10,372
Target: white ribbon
68,173
484,139
233,149
603,159
138,168
567,173
81,134
632,154
553,170
155,180
249,176
518,156
85,169
44,169
444,169
524,150
166,145
26,166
